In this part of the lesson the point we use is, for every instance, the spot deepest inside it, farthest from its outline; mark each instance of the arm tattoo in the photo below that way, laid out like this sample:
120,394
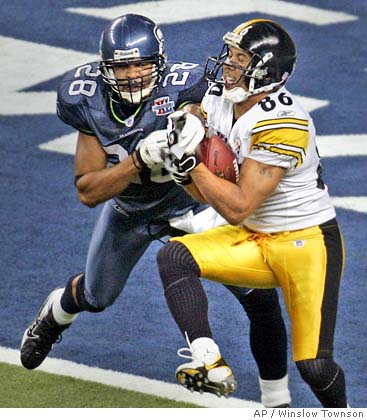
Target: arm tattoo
266,172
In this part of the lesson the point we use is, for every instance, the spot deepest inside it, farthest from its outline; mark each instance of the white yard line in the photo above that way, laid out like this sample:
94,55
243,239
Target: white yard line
329,146
351,203
128,382
175,11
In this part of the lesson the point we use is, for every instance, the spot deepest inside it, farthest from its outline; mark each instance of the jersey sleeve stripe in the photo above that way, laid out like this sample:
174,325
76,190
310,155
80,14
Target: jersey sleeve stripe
87,132
298,121
184,104
280,151
282,136
278,126
286,141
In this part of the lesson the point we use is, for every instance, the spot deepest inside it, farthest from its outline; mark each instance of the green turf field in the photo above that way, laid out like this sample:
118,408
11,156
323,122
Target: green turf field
25,389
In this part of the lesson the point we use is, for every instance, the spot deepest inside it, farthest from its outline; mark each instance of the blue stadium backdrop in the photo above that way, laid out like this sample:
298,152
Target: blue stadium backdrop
45,230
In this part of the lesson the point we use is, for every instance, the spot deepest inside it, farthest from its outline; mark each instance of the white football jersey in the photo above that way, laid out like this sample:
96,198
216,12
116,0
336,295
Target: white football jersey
276,131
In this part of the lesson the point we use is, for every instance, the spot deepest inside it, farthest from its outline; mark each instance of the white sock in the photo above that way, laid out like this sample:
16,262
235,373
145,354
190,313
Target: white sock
61,317
275,392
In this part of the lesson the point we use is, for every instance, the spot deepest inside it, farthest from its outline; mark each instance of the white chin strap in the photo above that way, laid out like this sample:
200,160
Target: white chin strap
236,95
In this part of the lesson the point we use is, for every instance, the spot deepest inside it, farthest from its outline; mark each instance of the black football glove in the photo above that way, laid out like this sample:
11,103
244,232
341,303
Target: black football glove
180,178
187,163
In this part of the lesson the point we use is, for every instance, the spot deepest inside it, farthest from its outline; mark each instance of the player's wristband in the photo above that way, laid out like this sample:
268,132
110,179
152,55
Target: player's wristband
137,160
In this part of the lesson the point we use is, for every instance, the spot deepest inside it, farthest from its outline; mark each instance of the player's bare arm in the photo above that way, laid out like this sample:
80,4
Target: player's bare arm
235,202
96,183
193,190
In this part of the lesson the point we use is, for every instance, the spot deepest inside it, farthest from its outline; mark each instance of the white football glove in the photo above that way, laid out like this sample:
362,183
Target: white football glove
152,149
184,132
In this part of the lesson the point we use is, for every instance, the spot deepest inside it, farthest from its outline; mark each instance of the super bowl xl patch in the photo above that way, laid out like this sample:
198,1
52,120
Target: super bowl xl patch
163,106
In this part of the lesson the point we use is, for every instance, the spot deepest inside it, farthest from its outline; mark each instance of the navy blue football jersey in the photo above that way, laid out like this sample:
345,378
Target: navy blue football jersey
84,103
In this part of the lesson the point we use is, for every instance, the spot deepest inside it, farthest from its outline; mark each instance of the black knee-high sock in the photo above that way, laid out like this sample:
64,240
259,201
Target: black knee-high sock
326,380
333,395
267,330
183,290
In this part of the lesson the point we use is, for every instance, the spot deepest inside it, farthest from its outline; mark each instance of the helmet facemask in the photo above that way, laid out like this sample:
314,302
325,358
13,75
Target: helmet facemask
133,90
132,40
254,75
271,64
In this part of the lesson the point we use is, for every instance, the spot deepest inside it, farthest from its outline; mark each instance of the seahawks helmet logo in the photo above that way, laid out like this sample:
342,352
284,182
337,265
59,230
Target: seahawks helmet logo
159,37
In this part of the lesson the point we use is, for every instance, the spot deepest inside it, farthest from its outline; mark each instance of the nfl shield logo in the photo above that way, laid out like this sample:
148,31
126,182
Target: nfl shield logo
163,106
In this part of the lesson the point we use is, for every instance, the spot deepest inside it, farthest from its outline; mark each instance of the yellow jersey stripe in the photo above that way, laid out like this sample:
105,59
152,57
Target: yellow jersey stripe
282,121
281,151
289,137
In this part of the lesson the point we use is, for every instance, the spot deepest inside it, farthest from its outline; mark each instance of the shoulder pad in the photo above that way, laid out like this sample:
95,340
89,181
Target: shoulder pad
80,83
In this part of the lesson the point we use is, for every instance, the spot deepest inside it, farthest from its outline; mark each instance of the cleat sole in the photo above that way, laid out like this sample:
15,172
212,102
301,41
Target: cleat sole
200,383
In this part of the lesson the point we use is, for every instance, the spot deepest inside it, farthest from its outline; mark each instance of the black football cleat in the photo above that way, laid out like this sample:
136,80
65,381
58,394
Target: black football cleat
41,335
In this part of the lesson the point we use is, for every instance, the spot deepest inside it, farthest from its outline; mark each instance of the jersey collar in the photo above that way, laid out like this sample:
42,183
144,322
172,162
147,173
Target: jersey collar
129,121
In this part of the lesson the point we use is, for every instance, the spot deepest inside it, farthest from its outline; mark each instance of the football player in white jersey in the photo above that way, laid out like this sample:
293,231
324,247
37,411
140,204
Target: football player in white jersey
281,232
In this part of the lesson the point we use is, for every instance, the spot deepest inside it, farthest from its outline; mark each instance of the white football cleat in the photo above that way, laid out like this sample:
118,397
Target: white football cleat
207,372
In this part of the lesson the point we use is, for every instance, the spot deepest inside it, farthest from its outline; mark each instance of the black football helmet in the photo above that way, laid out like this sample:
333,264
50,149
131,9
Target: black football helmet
273,55
132,39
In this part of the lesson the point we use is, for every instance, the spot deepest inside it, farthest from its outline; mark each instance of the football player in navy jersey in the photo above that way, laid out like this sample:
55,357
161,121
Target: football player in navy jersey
119,107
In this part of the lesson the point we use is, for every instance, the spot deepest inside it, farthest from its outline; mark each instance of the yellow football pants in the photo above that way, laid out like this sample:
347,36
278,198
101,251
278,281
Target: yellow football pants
307,264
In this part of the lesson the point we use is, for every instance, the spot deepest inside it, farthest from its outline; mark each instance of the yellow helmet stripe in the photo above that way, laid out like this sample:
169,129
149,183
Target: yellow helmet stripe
245,25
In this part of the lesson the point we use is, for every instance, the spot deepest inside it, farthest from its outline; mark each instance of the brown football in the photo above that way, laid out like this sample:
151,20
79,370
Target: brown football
218,157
